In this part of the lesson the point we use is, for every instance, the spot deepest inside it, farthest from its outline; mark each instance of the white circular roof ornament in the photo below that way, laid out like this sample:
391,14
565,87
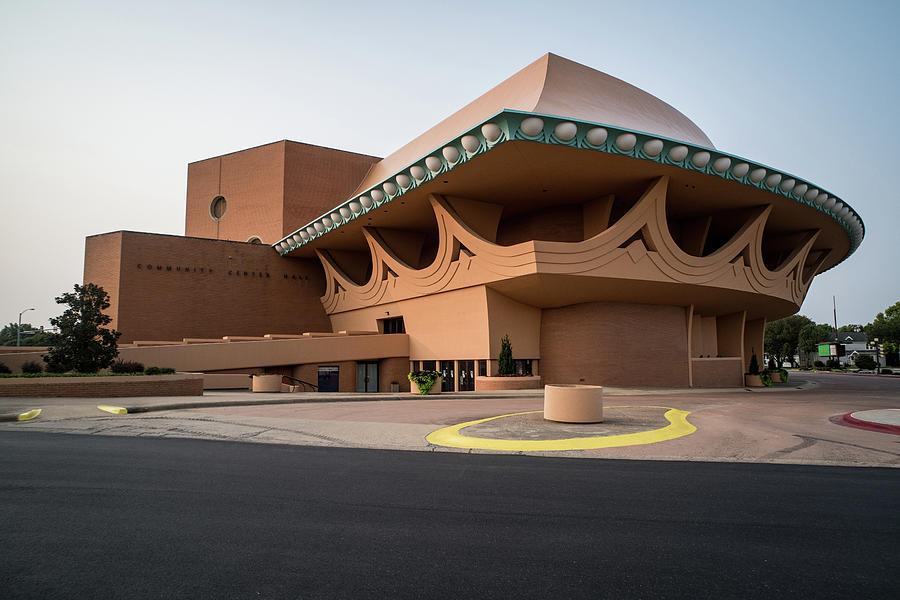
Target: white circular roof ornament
403,180
297,239
433,163
366,201
626,141
800,190
811,194
304,235
565,131
532,126
678,153
319,227
773,179
788,184
721,164
450,153
390,188
653,147
757,175
700,159
336,218
377,196
596,136
355,207
417,172
491,132
345,212
470,143
327,222
311,231
740,169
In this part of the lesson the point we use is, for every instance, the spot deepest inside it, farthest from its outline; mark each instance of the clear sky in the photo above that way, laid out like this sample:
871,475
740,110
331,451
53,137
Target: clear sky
103,104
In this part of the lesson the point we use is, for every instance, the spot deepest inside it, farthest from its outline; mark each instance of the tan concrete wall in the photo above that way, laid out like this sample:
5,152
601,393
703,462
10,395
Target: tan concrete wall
520,321
754,339
170,287
717,372
484,384
730,334
453,325
103,387
615,344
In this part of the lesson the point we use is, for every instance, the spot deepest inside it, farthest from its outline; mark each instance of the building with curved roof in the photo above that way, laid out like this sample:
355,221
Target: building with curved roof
591,222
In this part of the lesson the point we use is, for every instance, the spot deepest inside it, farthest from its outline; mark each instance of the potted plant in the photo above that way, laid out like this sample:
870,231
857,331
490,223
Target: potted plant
753,378
425,382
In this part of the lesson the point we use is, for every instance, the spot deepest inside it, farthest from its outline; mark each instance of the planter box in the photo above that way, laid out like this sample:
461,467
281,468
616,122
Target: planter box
573,403
267,383
435,389
776,377
487,384
124,386
753,381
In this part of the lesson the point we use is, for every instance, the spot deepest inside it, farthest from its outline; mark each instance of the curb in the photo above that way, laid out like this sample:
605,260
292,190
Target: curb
16,417
851,421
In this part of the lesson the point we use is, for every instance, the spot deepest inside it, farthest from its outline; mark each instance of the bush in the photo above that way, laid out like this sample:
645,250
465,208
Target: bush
771,365
887,372
127,366
765,378
784,375
159,371
864,361
424,380
819,364
754,365
32,367
832,363
4,369
505,364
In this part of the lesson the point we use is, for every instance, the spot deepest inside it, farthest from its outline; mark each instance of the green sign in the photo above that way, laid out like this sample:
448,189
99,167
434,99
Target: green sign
825,350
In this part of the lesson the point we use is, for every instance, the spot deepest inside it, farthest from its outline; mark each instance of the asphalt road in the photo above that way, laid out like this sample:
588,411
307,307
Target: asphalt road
129,517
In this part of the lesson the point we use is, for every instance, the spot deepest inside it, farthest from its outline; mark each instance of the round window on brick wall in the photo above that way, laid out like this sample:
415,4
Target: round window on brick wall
217,207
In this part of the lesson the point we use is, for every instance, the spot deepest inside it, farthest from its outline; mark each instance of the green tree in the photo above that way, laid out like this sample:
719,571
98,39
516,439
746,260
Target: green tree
505,364
39,338
84,344
783,337
886,327
851,328
809,338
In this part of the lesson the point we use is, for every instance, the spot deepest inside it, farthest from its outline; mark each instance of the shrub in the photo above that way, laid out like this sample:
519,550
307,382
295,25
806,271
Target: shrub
771,365
32,367
754,365
864,361
159,371
424,380
505,364
819,364
784,375
127,366
53,367
887,372
765,378
832,363
4,369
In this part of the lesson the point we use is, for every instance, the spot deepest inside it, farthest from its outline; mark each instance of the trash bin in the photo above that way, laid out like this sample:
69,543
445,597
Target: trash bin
395,387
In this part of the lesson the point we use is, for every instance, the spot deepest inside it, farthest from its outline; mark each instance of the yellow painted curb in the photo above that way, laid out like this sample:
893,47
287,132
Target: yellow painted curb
116,410
27,416
452,438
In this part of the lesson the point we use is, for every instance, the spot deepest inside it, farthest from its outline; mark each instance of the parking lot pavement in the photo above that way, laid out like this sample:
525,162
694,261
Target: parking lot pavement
786,425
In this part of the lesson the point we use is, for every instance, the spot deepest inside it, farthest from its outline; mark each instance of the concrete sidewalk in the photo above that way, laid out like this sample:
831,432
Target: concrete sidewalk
794,423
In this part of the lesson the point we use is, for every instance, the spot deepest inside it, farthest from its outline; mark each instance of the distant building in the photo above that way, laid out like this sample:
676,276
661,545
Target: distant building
593,223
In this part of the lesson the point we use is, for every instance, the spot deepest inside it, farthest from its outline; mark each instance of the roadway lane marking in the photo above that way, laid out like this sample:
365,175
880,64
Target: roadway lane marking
27,416
451,437
116,410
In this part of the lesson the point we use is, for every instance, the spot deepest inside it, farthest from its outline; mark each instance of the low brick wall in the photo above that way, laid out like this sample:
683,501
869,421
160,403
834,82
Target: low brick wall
718,372
102,387
488,384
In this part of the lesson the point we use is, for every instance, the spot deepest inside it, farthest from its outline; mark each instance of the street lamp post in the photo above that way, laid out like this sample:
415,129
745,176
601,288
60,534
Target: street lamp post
19,328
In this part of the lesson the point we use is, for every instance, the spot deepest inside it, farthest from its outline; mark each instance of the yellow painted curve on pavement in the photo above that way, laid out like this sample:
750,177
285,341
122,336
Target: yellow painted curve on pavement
116,410
27,416
451,437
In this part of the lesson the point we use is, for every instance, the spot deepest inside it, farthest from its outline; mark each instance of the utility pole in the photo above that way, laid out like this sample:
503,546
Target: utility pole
19,328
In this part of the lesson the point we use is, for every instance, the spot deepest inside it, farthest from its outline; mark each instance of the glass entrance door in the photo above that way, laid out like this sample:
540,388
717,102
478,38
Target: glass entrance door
367,377
447,376
466,381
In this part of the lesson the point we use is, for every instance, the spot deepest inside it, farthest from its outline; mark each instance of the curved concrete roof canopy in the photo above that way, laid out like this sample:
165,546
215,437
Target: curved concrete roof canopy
551,85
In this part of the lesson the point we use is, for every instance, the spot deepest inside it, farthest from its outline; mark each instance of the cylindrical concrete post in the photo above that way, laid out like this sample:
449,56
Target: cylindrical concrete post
573,403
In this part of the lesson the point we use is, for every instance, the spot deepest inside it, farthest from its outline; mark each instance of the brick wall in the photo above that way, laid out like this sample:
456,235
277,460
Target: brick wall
270,190
608,343
167,287
103,387
718,372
